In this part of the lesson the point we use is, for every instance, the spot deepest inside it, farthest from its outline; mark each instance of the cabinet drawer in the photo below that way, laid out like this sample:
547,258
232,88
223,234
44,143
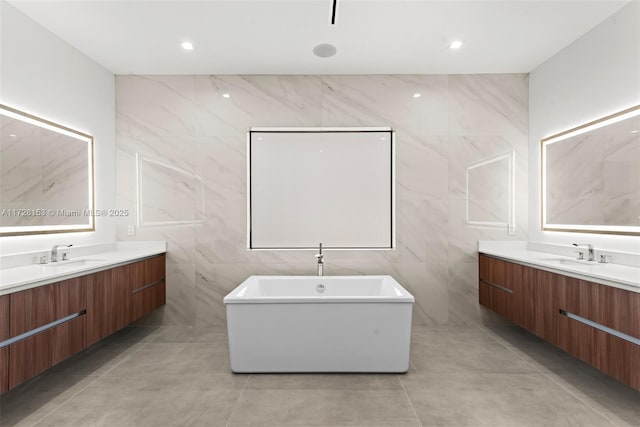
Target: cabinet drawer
496,299
494,271
612,355
33,355
149,298
615,308
39,306
153,270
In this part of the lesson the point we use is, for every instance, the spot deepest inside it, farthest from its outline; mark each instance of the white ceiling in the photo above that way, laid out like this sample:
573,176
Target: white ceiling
277,37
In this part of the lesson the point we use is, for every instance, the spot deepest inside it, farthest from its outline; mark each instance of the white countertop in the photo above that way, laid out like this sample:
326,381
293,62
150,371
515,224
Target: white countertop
610,274
23,277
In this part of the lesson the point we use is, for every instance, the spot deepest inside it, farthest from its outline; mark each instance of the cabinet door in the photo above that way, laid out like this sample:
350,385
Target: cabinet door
109,307
4,351
612,355
33,355
535,303
151,292
496,285
123,280
39,306
99,302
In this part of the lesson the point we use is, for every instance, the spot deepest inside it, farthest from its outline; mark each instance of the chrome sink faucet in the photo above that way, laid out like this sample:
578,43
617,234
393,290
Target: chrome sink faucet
54,252
592,256
320,261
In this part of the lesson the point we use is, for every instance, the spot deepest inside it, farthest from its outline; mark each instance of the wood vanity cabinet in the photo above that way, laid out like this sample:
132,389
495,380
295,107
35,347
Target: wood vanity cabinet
535,302
109,301
496,286
73,314
124,294
150,293
608,306
52,307
546,303
4,351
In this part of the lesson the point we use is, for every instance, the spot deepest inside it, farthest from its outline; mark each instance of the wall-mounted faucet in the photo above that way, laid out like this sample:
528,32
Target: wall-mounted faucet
54,252
592,256
320,261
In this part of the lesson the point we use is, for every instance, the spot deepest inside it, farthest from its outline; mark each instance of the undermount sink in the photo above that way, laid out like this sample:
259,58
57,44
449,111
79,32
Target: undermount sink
71,263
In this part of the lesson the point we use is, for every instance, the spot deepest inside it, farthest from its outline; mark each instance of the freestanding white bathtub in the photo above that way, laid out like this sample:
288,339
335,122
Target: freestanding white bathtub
319,324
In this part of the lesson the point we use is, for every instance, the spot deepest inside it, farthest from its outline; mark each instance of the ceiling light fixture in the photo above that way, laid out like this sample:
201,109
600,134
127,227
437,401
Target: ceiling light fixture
635,131
226,95
417,95
456,44
187,45
13,135
324,50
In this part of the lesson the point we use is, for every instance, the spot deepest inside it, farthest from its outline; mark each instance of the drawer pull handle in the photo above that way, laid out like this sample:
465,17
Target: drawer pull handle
42,328
150,285
502,288
603,328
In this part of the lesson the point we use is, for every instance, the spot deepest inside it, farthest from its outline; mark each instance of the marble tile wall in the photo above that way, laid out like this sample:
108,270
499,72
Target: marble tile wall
184,121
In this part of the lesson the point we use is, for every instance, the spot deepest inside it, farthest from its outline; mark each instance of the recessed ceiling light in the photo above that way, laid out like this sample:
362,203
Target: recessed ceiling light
187,45
226,95
456,44
13,135
324,50
633,131
417,95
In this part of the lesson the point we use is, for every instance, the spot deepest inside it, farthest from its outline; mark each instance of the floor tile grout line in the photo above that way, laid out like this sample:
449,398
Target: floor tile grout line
550,376
238,400
413,408
88,385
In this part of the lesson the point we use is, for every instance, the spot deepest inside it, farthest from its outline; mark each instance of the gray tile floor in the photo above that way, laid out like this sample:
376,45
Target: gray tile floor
459,376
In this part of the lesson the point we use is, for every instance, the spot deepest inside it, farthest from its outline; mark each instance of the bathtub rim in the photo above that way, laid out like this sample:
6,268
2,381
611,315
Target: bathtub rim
405,298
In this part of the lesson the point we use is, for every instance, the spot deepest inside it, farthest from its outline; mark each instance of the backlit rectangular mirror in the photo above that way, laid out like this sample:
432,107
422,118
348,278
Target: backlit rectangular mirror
591,176
46,176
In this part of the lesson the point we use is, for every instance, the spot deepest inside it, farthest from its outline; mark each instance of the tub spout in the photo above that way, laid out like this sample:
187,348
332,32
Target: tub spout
320,260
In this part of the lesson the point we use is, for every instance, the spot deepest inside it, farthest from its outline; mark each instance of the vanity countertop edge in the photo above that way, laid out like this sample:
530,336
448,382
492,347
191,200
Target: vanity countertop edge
34,275
616,275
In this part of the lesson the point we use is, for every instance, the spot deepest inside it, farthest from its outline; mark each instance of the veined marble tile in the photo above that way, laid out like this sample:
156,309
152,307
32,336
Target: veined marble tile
422,230
168,195
456,121
422,168
387,101
222,164
255,101
489,104
471,150
155,105
179,152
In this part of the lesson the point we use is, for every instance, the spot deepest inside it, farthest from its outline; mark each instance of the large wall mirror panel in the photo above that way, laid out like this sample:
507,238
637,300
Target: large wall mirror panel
333,186
591,176
46,176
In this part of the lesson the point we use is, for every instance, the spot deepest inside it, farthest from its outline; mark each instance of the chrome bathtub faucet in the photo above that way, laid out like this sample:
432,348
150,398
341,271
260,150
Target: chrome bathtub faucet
320,261
54,252
592,256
